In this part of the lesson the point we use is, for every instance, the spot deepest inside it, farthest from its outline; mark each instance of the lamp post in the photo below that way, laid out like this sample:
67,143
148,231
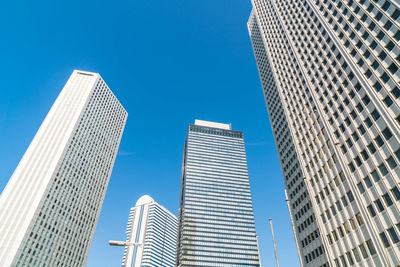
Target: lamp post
123,243
127,260
273,239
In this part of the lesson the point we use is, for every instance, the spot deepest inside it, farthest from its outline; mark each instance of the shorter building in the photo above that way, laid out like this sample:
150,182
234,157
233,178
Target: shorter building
216,221
155,229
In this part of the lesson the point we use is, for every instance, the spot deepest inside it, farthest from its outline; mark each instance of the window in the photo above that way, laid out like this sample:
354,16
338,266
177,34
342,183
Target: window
397,154
368,182
384,239
379,205
361,129
377,86
372,148
347,121
396,91
350,196
375,65
393,68
383,169
349,143
393,235
337,180
334,234
363,251
361,187
340,231
338,206
328,214
359,219
355,136
396,193
344,201
333,210
366,100
396,14
371,247
352,168
349,258
360,107
375,176
391,162
387,133
388,200
380,35
385,77
379,140
330,239
375,114
371,210
364,154
397,35
388,101
343,260
352,223
346,227
356,254
323,218
337,263
368,122
382,55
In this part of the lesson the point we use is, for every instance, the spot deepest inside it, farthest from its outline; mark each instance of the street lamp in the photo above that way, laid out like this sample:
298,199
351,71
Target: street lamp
123,243
273,239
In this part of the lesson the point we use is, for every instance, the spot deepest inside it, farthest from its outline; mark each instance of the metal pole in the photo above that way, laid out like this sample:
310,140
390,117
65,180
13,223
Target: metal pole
258,251
273,239
294,230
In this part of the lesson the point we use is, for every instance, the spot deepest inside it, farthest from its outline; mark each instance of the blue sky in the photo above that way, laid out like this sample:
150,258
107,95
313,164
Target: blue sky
169,62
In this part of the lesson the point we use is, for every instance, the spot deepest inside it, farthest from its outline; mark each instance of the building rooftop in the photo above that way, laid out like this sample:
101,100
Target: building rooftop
213,124
144,200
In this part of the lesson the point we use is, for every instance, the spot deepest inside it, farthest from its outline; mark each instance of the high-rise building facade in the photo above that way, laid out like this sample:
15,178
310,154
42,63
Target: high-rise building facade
50,206
330,75
155,229
216,222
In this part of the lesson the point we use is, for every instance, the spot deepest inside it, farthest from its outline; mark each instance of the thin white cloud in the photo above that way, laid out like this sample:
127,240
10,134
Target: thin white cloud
124,153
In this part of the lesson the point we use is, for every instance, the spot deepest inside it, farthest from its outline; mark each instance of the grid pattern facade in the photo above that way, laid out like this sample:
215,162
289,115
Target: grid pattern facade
156,228
216,222
331,69
50,207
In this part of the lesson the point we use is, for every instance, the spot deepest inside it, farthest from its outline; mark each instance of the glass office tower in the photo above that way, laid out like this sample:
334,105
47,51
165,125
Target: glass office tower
155,229
50,206
330,75
216,222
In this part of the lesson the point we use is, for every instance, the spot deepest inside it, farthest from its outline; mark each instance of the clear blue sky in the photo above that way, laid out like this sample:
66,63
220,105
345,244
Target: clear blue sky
169,62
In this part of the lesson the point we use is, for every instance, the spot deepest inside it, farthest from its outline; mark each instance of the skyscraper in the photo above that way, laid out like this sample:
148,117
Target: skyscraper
216,222
50,206
155,228
330,75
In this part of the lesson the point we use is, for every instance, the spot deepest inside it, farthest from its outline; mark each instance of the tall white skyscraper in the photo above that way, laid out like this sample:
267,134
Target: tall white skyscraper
216,222
155,229
50,206
330,75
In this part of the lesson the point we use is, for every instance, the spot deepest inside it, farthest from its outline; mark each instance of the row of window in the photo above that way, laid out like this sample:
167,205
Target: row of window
345,228
387,199
314,254
309,238
349,258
